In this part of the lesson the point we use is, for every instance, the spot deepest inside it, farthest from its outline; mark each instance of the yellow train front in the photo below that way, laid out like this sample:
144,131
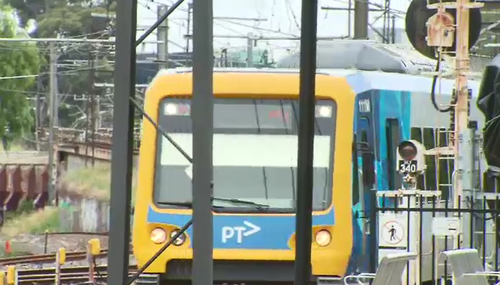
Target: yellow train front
255,162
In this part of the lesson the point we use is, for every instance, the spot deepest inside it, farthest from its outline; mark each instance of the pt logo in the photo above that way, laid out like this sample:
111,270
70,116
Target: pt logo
239,231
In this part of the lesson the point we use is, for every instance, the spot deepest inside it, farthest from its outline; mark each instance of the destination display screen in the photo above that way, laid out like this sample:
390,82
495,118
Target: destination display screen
249,114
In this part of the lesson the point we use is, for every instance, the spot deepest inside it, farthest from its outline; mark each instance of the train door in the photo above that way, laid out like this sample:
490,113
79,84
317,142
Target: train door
364,144
365,153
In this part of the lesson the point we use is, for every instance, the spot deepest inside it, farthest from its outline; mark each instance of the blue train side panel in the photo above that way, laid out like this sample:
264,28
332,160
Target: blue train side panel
382,100
393,107
374,109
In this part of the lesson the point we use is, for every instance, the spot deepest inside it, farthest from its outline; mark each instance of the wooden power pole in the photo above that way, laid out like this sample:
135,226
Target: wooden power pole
440,29
461,85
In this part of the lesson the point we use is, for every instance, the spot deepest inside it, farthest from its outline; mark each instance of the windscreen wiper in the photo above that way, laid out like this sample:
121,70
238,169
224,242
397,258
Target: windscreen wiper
180,204
233,201
241,202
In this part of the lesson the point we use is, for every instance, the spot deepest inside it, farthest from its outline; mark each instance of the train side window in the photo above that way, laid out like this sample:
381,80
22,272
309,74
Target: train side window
355,174
393,138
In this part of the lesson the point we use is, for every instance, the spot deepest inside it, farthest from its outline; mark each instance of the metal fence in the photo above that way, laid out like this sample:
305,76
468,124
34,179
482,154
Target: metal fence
422,222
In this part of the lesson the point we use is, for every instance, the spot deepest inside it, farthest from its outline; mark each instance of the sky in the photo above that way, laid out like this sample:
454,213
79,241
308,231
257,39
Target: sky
282,19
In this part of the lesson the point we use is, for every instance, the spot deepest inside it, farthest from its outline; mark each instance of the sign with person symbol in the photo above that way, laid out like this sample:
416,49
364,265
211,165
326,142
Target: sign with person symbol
392,233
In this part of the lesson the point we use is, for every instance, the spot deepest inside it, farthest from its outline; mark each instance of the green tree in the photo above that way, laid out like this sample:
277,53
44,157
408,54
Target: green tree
70,21
61,17
17,59
68,18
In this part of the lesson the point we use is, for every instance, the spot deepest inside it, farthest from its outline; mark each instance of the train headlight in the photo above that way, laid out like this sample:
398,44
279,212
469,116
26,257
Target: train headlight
174,109
323,238
178,241
171,109
323,111
158,236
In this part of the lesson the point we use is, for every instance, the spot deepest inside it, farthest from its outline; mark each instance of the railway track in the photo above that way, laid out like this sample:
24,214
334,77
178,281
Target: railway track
75,275
48,258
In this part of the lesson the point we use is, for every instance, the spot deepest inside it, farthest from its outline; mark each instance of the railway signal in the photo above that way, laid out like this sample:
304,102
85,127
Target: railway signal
420,17
431,26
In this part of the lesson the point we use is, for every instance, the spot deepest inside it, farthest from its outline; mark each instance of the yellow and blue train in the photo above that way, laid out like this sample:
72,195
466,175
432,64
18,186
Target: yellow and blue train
255,159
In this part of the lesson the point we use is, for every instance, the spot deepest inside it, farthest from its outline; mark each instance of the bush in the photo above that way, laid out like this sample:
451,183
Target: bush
25,207
92,182
37,222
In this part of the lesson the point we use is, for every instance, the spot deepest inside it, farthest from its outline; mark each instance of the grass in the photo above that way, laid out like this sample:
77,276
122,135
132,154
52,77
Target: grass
92,182
17,249
13,147
25,207
31,222
36,222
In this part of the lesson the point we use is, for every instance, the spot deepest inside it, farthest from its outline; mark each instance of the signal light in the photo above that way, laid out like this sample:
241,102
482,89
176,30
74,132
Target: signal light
407,150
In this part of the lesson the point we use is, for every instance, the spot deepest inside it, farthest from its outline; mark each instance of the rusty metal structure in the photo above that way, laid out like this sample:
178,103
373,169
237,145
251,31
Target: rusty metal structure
73,142
20,182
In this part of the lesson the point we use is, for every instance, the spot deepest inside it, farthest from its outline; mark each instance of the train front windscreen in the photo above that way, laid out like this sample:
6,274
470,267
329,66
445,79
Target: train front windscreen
255,148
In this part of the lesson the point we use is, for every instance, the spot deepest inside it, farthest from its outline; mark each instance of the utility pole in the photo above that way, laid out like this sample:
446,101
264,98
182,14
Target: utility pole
188,28
462,91
90,126
38,116
361,11
163,37
87,111
53,105
349,18
250,43
92,106
386,32
393,30
361,19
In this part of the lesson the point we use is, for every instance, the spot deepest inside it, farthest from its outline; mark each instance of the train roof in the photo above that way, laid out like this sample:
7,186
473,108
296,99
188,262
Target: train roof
360,81
366,55
367,80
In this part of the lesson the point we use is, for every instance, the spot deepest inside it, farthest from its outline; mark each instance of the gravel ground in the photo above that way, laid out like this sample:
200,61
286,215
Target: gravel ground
101,261
35,244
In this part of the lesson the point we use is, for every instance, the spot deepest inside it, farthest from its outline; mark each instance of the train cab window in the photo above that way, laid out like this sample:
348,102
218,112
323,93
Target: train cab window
254,154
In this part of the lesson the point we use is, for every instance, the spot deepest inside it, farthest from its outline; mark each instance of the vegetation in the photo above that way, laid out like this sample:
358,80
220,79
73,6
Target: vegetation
13,146
33,222
66,18
69,19
92,182
17,59
24,208
16,249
